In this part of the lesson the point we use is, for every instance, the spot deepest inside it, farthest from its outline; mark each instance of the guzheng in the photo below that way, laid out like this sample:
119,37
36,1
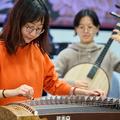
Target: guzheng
63,108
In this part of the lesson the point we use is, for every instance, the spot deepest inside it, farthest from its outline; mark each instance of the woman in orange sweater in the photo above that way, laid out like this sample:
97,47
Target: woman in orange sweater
25,68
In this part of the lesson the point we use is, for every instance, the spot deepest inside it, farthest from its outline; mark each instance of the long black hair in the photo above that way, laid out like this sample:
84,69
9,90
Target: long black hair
86,12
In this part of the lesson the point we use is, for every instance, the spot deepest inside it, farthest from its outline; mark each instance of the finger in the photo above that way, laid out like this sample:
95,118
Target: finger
30,97
22,93
100,93
29,90
30,93
95,94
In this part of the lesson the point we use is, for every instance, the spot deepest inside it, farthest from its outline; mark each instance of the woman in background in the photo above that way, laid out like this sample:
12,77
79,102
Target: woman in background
86,26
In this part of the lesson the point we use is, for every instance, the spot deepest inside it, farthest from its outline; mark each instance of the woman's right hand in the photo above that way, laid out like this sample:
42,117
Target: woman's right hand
25,90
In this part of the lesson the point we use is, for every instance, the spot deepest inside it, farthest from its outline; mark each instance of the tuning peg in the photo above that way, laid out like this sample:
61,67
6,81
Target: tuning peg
115,14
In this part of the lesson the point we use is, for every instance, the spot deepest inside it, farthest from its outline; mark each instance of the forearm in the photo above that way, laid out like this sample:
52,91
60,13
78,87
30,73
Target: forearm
78,91
7,93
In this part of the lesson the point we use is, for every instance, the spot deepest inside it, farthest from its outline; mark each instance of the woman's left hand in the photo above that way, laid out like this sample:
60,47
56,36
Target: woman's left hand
116,36
79,91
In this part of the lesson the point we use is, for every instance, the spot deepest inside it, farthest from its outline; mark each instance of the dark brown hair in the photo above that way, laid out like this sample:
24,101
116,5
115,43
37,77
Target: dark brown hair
86,12
25,11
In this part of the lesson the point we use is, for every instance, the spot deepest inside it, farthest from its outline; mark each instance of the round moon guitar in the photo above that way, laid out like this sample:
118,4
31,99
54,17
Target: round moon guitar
83,72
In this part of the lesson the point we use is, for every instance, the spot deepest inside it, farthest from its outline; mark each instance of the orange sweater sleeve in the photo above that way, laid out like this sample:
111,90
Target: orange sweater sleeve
29,66
51,82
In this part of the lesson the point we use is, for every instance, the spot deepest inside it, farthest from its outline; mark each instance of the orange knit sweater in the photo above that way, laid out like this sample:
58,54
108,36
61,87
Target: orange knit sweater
29,66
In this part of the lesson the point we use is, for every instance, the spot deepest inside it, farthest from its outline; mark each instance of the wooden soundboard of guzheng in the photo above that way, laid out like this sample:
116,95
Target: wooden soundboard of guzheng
63,108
